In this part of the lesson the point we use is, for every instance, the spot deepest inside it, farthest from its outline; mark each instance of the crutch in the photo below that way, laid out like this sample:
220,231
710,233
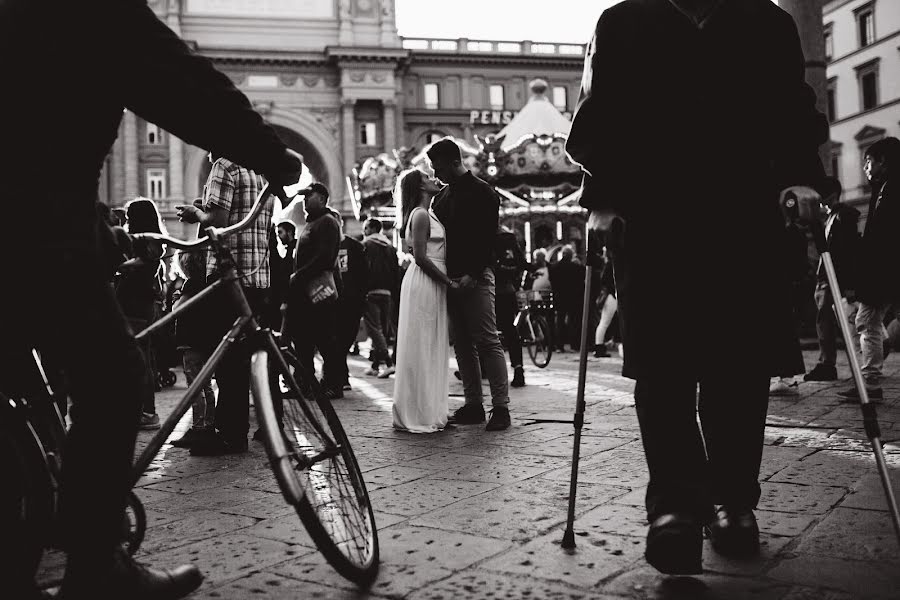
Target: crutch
870,417
568,540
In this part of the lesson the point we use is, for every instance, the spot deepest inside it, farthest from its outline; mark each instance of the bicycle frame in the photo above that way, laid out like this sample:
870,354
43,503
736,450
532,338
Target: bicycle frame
246,325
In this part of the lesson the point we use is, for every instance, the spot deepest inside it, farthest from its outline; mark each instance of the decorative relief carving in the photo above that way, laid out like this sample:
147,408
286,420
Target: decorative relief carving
238,78
332,81
357,76
328,119
288,79
379,77
310,80
264,107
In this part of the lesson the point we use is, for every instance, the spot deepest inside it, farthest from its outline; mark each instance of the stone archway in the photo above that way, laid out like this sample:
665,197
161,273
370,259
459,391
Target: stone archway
301,132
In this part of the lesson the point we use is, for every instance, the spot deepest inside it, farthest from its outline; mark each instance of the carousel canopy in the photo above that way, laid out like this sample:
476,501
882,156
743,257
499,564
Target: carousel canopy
538,117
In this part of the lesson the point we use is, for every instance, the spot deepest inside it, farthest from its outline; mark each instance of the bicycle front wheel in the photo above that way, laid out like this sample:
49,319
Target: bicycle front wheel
315,467
541,349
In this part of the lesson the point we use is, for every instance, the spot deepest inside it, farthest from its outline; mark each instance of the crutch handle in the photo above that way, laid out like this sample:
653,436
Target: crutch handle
792,211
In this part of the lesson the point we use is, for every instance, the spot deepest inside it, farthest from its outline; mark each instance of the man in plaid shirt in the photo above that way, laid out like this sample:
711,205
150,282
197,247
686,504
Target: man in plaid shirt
229,195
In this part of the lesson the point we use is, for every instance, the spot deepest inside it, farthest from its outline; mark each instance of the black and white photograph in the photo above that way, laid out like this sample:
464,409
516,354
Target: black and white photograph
450,300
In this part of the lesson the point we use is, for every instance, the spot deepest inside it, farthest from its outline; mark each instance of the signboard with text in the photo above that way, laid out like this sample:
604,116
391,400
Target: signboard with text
491,117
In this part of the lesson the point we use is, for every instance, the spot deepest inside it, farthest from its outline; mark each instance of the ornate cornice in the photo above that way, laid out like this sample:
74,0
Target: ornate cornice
369,54
242,56
419,57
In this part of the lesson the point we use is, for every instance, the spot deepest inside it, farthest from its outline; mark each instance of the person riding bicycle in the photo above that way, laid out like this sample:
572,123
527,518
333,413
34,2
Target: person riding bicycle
110,58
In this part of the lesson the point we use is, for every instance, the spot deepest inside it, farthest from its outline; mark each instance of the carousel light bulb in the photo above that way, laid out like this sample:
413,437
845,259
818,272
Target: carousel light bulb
492,170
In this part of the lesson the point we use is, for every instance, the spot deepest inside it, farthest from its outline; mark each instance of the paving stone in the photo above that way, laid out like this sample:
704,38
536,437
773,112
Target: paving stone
272,587
393,581
596,557
646,583
227,557
636,497
198,482
224,499
770,547
393,475
868,493
784,524
828,468
853,534
506,470
425,495
405,544
809,593
152,497
623,466
799,499
198,525
776,458
559,447
287,528
860,578
478,585
797,436
620,519
265,506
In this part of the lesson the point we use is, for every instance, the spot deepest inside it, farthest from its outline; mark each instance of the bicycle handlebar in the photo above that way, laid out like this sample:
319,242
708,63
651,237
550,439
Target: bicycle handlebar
261,201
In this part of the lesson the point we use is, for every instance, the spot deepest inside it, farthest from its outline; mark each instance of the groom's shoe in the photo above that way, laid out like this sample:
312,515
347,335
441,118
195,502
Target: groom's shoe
499,419
468,414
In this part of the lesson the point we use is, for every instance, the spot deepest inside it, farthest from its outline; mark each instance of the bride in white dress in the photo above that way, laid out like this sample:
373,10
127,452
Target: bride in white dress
421,383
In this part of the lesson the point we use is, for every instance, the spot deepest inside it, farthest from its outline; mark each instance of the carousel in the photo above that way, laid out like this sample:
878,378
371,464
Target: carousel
527,164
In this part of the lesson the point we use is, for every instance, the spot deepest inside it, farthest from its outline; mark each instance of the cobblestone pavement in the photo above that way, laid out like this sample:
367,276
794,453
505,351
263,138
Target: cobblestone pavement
473,514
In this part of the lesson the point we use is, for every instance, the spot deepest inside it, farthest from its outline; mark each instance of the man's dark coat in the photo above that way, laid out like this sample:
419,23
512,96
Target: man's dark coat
879,283
689,133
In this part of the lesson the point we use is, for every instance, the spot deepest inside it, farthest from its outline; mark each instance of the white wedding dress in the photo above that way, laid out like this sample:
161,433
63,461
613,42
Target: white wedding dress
421,383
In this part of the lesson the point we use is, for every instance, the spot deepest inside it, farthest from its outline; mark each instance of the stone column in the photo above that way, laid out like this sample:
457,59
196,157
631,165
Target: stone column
466,89
390,125
345,19
388,24
176,170
130,144
348,139
117,169
807,15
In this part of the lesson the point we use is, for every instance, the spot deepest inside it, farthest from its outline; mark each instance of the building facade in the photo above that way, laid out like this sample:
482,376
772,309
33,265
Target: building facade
862,50
339,85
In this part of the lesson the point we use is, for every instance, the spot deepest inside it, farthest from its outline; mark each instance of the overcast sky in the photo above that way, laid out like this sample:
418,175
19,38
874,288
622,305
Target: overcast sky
569,21
536,20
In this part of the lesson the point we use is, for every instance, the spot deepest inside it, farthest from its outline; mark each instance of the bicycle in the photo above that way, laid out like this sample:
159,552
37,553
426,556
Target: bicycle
530,322
305,442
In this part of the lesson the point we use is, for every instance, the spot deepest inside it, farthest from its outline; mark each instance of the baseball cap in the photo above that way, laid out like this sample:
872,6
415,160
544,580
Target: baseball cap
312,188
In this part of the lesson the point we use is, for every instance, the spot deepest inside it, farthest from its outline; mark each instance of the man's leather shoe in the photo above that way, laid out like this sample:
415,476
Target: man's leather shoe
734,533
675,544
129,579
499,419
468,414
518,379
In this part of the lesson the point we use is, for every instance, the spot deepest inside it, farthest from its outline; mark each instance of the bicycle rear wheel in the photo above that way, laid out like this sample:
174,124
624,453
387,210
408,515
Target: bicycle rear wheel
541,349
26,496
315,467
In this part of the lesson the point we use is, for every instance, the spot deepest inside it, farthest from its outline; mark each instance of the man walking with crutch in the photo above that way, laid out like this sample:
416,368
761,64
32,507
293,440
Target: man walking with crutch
699,173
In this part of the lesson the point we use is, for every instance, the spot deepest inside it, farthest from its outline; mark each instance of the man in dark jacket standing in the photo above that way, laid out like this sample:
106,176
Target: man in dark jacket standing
509,267
879,286
384,279
140,65
352,303
842,241
681,185
567,279
469,209
312,321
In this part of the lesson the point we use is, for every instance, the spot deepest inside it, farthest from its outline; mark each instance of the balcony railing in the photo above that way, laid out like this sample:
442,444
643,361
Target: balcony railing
467,46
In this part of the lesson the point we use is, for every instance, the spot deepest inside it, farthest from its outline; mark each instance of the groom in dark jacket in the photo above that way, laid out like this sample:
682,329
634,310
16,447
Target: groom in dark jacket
469,209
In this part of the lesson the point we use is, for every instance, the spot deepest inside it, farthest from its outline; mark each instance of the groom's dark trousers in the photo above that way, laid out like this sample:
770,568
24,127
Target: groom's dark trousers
474,323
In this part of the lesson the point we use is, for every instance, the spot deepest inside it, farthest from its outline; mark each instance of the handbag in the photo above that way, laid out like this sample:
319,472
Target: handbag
321,287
